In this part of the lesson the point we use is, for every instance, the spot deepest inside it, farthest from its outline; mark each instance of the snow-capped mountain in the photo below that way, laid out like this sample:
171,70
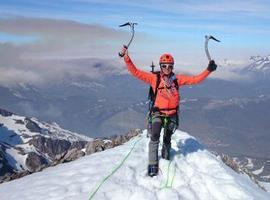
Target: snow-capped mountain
27,144
120,173
259,66
80,105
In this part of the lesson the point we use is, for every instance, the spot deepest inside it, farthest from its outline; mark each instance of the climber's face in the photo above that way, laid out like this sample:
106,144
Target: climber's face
166,68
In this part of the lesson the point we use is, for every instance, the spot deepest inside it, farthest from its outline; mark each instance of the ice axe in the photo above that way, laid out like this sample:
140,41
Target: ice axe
207,38
132,35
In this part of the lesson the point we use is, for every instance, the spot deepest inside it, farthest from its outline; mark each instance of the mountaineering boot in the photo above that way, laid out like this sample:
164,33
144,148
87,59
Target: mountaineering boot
153,170
165,152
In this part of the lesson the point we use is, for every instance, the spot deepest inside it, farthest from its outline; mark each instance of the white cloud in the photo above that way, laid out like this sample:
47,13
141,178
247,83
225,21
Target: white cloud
13,76
62,48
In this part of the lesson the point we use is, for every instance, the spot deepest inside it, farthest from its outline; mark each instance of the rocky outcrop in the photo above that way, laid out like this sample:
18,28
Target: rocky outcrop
95,146
107,143
239,169
35,162
120,139
55,147
71,155
230,162
5,113
32,126
12,176
4,167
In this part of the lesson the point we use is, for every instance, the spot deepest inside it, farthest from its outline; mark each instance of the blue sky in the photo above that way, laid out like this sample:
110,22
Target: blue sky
89,28
199,16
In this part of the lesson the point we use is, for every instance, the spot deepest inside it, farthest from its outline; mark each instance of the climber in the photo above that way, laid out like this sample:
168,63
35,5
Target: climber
164,112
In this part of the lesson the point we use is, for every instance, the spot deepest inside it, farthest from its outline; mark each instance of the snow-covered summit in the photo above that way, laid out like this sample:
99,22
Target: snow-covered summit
259,64
120,173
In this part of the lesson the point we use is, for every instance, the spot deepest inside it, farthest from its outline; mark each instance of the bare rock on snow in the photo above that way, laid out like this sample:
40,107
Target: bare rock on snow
35,162
71,155
98,145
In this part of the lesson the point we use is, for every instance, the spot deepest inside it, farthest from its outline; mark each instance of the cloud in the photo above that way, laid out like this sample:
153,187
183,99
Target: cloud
66,48
60,48
61,38
12,76
52,71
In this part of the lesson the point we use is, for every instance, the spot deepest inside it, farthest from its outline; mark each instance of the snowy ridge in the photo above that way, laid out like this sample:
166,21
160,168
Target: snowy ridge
55,131
193,173
18,124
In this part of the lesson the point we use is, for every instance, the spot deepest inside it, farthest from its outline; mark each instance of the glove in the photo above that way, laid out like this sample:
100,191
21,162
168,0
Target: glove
123,52
212,66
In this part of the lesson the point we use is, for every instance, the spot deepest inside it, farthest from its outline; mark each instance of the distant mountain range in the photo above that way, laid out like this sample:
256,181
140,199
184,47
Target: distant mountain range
259,64
113,105
258,70
84,106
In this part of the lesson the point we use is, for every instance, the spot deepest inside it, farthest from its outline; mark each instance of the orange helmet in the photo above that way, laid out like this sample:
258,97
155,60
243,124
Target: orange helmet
166,58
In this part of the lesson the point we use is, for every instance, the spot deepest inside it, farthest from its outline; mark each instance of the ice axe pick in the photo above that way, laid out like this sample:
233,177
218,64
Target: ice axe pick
121,54
207,38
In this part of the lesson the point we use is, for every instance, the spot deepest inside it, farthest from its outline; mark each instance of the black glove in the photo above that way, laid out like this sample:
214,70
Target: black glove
212,66
124,51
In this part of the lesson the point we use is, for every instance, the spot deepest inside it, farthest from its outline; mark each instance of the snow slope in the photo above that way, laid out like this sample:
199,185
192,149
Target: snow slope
193,173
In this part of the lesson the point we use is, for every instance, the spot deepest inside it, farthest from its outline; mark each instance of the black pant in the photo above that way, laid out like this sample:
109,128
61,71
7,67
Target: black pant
169,124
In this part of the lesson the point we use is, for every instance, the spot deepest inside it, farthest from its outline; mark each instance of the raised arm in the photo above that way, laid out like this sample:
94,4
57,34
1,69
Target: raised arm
191,80
147,77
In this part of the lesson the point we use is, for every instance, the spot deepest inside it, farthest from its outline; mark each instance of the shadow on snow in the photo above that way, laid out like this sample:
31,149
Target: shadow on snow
189,146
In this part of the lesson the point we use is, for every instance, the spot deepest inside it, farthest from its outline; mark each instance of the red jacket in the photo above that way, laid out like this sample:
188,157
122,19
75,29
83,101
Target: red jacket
167,100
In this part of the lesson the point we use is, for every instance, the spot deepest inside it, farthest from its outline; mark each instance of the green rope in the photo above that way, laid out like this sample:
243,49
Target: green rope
169,182
92,194
166,120
168,174
167,178
170,186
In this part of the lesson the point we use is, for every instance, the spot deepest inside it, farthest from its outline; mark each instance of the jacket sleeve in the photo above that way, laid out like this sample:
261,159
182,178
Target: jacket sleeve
190,80
142,75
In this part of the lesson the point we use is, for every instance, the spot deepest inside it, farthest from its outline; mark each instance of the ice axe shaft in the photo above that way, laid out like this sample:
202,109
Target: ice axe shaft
121,54
207,38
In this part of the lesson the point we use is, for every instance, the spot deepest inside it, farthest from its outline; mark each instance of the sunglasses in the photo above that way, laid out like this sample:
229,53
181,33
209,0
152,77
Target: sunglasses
166,66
